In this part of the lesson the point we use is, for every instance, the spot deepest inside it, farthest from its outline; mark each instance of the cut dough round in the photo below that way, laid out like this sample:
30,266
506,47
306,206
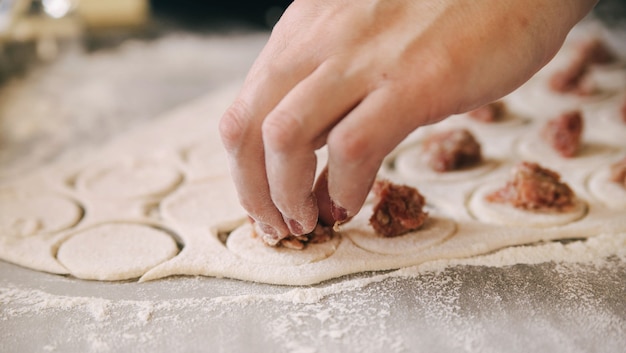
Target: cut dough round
435,230
533,148
31,215
609,192
116,251
504,214
206,159
129,179
410,165
211,204
243,242
606,119
537,101
509,120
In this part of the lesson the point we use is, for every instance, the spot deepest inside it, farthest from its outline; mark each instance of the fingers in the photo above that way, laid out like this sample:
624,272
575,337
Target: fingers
294,129
240,129
357,146
243,144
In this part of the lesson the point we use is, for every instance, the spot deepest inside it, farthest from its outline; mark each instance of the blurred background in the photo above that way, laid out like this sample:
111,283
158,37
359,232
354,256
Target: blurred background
36,30
75,73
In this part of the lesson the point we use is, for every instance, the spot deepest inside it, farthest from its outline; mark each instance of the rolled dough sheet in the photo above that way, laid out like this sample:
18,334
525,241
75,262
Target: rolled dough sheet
200,210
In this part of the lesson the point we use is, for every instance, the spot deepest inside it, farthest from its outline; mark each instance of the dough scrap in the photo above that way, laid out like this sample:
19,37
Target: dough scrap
116,251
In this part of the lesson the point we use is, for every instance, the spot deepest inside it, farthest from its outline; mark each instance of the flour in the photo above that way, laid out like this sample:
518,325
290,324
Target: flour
338,315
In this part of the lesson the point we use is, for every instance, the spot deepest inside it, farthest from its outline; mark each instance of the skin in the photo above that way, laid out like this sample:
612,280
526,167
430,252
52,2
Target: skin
359,76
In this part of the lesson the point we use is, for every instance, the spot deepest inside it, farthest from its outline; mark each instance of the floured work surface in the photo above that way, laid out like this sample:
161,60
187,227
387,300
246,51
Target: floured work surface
159,202
545,297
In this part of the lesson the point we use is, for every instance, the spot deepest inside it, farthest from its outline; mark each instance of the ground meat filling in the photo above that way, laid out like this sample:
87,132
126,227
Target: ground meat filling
564,133
572,78
618,172
398,209
320,234
451,150
490,113
535,188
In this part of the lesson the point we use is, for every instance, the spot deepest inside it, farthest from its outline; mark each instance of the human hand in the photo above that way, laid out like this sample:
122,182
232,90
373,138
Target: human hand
359,76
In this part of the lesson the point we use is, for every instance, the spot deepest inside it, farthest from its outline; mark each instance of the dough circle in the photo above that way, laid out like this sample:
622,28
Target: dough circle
504,214
244,244
533,148
435,230
607,191
129,179
606,119
536,100
116,251
31,215
211,204
410,165
509,120
207,159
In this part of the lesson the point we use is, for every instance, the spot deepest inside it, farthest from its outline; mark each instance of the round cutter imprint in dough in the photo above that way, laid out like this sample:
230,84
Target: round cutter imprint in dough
213,203
435,230
606,119
504,214
536,100
129,179
207,159
31,215
509,120
410,165
607,191
532,147
116,251
243,243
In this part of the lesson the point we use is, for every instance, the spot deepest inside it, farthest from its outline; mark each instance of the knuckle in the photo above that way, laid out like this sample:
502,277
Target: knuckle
233,125
281,131
349,147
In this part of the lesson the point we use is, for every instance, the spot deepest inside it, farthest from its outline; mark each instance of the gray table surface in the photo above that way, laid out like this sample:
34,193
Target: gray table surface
546,307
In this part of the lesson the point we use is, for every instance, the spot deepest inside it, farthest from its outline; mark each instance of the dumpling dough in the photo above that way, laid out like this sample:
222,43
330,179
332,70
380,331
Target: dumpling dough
244,244
609,192
435,230
129,179
409,164
207,159
533,148
116,251
213,203
606,120
31,215
504,214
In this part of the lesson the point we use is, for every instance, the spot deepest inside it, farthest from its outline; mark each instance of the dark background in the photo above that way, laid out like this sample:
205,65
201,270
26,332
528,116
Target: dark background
210,14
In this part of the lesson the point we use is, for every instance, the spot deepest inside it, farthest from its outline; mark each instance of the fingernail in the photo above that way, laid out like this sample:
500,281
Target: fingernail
269,230
339,213
295,227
